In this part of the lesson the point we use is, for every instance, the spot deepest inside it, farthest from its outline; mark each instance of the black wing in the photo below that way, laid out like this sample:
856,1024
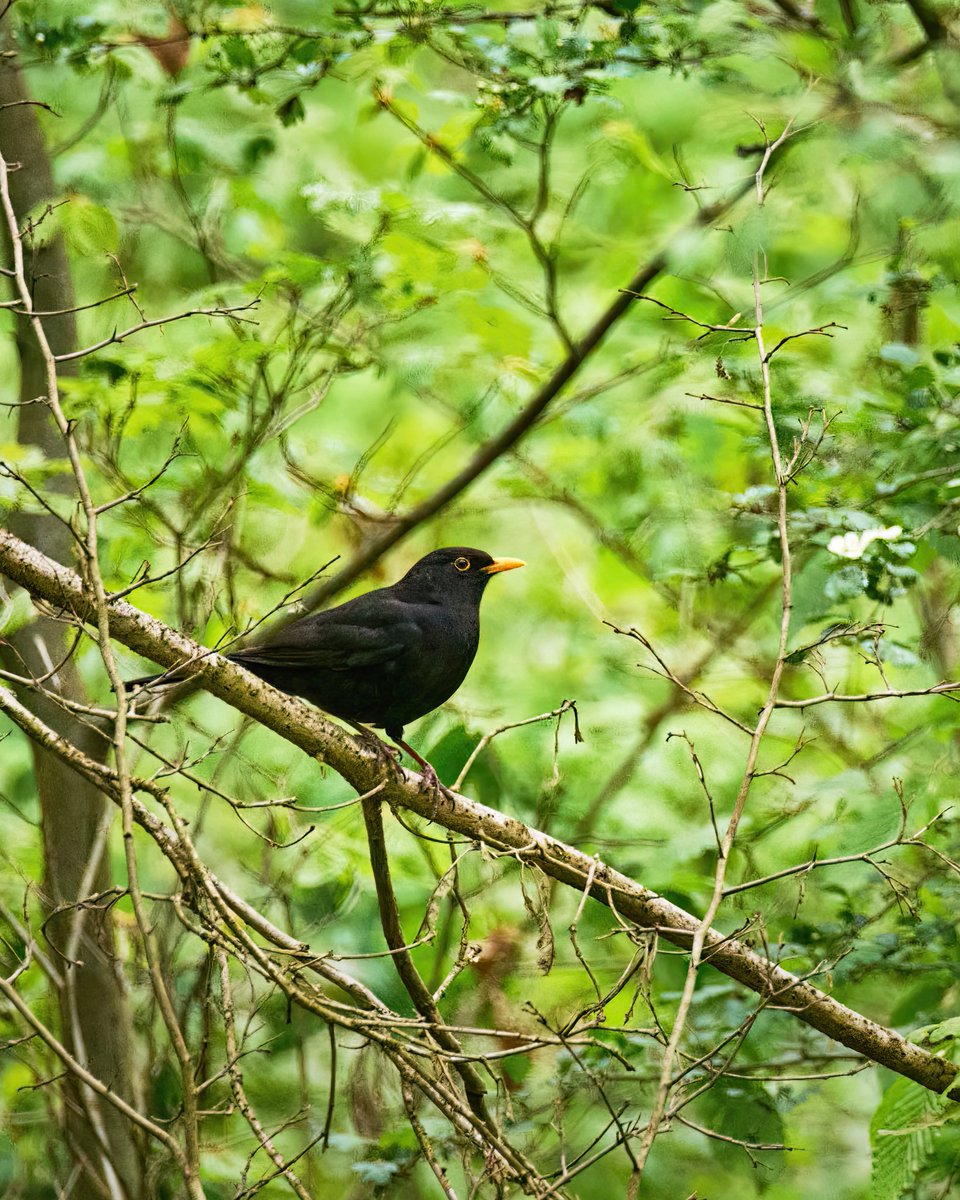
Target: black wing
368,631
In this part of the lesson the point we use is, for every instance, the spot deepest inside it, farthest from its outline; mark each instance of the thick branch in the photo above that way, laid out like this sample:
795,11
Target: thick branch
321,738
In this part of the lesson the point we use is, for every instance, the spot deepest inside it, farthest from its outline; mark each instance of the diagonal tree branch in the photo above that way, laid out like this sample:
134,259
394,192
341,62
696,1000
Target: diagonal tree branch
495,447
321,738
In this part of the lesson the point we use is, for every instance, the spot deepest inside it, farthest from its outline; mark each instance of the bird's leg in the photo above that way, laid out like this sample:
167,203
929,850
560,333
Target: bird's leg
430,776
389,754
427,770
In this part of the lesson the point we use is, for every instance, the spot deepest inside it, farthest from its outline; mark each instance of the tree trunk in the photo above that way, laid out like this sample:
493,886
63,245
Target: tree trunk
95,1021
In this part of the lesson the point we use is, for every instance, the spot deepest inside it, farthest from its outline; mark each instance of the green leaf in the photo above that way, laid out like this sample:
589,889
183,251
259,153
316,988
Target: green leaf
15,611
847,583
550,85
900,355
238,52
90,229
291,111
376,1171
901,1137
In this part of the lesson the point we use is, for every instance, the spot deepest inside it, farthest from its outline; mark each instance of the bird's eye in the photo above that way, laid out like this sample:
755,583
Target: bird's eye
462,564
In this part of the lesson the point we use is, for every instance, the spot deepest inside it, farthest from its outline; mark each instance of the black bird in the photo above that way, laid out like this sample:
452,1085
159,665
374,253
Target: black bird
389,656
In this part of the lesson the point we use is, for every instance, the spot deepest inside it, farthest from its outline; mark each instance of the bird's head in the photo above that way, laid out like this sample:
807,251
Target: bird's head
455,574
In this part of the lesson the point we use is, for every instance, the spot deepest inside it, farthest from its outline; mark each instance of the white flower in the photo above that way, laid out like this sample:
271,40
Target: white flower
852,545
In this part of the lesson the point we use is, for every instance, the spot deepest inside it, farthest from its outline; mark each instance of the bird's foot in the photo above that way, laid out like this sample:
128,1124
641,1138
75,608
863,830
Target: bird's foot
388,755
431,780
432,783
430,777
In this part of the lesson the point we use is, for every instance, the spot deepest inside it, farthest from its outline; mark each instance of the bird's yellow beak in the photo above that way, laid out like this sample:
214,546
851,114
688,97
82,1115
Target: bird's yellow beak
503,564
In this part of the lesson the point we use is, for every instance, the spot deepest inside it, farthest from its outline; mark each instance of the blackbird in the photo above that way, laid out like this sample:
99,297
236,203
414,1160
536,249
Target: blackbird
389,656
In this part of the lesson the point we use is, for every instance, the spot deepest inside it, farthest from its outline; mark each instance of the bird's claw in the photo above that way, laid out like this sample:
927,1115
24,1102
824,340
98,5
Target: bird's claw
430,777
390,756
431,782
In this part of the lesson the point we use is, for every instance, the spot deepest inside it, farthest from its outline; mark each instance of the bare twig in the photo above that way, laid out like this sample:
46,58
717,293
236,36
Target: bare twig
233,312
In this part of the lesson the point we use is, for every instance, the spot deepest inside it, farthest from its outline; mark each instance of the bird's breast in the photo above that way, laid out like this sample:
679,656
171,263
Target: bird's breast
432,672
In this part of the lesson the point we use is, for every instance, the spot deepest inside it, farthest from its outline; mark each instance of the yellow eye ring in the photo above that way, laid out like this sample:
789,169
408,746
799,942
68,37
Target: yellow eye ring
462,564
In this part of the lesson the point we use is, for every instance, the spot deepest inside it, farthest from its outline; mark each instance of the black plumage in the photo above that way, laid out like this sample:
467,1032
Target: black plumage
390,656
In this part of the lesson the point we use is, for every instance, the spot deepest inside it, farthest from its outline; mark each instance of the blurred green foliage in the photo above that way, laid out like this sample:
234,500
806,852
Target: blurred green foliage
426,209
